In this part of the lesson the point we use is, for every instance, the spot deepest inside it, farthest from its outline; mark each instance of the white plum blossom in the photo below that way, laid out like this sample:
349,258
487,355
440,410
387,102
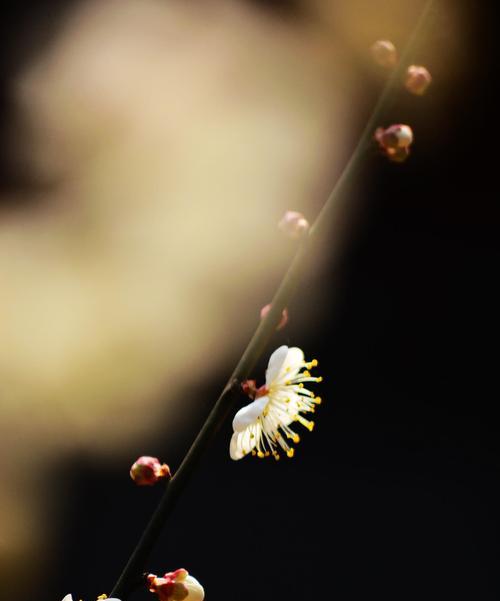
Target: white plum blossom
263,426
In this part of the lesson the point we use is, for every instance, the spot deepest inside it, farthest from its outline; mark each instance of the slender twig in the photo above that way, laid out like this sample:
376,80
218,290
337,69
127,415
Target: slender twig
334,206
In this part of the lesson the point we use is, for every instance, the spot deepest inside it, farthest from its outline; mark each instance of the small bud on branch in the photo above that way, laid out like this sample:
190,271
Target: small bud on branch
294,225
147,471
384,53
418,79
176,586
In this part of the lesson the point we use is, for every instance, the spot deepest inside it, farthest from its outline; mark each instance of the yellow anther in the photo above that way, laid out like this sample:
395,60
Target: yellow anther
287,369
287,400
317,400
276,456
252,435
260,455
306,374
102,597
290,453
267,453
312,410
254,453
296,439
301,385
314,363
320,379
310,426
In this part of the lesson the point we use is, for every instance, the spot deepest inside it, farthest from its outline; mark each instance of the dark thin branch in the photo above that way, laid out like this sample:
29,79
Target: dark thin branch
335,207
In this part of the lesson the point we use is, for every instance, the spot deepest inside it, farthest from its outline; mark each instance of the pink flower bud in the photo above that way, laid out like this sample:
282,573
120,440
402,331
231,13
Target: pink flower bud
384,53
146,471
418,79
176,586
294,224
284,316
395,136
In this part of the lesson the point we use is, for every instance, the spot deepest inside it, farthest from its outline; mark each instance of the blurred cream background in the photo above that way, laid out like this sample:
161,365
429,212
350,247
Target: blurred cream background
175,135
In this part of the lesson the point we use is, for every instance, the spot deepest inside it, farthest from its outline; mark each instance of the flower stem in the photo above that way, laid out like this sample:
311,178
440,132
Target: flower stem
334,208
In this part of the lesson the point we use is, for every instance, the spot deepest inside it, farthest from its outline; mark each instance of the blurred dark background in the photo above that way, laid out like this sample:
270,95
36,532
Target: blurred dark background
396,493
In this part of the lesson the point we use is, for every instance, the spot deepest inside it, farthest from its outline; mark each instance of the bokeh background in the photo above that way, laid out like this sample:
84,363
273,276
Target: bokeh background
148,149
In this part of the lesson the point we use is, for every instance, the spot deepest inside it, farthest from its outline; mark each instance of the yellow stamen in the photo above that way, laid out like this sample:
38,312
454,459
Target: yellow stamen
260,455
290,453
317,400
307,424
296,439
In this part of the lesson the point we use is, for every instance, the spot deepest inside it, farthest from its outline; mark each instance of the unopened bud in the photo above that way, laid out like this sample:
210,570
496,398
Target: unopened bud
384,53
284,316
397,155
294,224
146,471
417,80
395,136
176,586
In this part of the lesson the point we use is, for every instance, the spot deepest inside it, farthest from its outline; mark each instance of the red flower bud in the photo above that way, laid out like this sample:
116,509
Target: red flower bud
417,80
176,586
146,471
395,141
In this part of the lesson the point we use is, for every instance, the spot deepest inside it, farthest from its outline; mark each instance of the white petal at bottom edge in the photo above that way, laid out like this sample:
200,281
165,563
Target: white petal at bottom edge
249,414
196,592
69,597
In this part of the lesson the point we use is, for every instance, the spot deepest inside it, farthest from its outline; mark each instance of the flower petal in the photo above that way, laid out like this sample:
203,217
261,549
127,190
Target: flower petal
275,364
243,443
249,414
293,363
196,592
68,598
